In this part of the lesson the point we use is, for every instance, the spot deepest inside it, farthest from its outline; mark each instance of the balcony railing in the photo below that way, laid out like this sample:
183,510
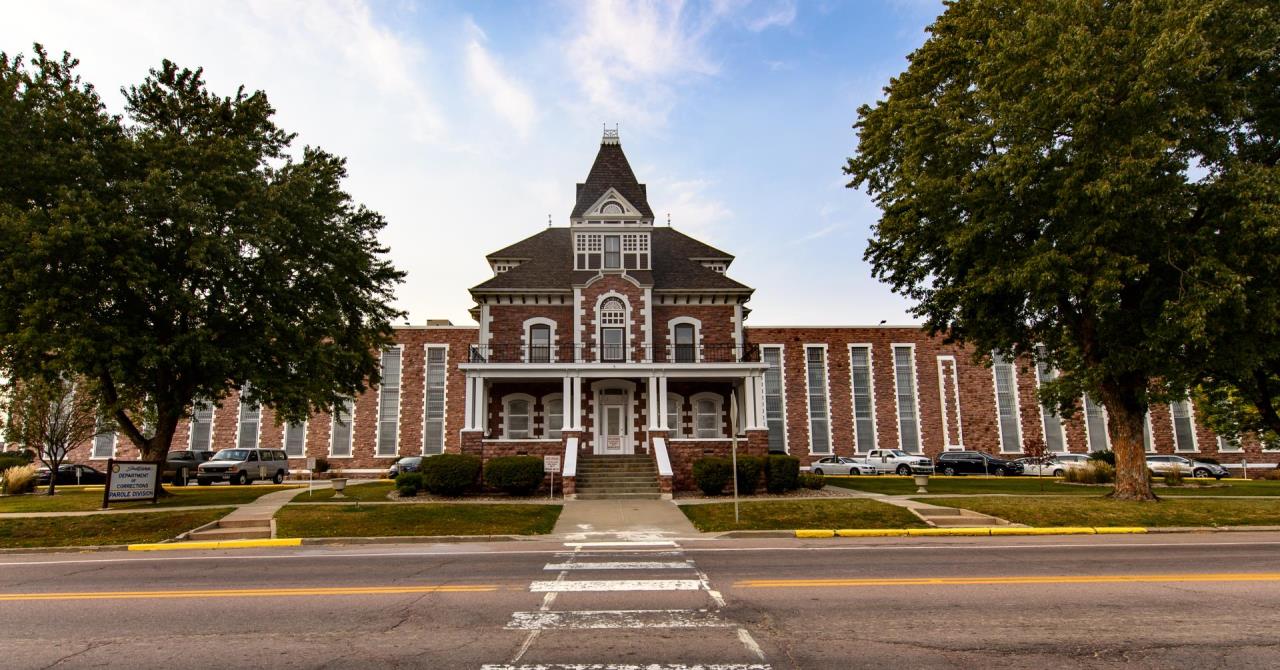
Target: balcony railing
588,353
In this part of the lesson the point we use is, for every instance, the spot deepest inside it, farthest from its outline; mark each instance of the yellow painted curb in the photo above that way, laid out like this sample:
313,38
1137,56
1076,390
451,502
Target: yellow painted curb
1060,530
871,532
948,531
223,544
815,533
1118,530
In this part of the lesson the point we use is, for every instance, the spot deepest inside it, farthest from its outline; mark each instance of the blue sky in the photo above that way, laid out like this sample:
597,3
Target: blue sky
467,123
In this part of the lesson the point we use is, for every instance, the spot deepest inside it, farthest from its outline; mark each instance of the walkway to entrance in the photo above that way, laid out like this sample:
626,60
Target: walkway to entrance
632,520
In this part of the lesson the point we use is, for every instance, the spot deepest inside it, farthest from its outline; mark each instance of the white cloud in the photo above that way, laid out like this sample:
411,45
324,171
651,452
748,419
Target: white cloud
694,211
508,97
780,14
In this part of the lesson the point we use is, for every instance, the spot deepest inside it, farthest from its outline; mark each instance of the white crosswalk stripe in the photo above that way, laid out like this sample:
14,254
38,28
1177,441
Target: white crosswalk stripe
622,565
628,666
563,586
605,619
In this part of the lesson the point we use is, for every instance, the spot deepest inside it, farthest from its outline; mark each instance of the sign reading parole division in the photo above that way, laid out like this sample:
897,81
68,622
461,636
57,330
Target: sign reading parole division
551,464
131,481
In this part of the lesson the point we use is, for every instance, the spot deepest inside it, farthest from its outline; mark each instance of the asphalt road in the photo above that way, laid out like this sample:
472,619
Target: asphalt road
1156,601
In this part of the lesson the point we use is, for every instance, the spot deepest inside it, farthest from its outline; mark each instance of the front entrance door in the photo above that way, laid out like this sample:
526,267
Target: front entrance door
613,436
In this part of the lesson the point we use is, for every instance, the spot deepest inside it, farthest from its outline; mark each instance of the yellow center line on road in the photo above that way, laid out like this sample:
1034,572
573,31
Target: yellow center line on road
253,593
1045,579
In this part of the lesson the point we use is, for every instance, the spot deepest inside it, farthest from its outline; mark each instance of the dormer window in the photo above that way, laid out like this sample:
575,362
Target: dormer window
502,267
621,251
717,266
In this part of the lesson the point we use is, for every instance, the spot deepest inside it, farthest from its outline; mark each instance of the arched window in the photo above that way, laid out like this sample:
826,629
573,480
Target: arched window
613,322
611,207
540,343
553,416
517,417
675,407
708,416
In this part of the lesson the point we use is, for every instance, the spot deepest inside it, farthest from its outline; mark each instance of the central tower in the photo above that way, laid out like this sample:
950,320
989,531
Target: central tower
611,222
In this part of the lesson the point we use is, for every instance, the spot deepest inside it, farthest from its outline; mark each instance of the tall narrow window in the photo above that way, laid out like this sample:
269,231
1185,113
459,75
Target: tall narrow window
202,427
433,428
340,443
707,417
553,409
613,320
540,343
774,417
104,445
819,421
1184,432
612,252
250,420
684,343
517,413
675,408
295,439
1095,423
389,403
1055,436
904,378
1007,404
864,420
1148,444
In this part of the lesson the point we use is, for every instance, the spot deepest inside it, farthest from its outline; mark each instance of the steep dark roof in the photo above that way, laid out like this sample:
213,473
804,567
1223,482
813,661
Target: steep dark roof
611,170
550,264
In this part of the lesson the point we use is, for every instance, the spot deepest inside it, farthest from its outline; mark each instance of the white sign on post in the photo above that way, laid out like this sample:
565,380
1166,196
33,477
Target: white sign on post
131,481
551,464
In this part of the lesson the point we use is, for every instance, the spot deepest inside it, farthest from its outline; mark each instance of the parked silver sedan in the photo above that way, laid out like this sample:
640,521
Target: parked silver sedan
1055,467
839,465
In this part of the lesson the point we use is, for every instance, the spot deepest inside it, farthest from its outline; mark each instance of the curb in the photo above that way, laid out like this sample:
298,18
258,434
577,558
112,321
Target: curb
220,544
420,539
984,531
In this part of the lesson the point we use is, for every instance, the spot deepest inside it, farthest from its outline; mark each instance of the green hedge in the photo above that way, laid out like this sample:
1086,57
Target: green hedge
712,474
749,469
409,484
450,474
516,475
812,481
782,473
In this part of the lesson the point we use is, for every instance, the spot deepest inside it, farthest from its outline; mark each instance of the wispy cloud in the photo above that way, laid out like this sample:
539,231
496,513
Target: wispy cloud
819,233
507,96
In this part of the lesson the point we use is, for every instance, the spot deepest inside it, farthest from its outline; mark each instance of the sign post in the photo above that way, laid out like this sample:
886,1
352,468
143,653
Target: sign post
131,481
311,473
733,431
551,464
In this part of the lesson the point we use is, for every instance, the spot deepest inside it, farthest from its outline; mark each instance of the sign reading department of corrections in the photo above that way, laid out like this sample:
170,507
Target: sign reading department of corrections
131,481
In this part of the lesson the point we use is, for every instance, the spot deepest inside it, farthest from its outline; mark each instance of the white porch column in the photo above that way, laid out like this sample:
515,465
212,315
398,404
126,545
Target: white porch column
576,392
757,402
663,409
484,404
470,404
566,404
651,408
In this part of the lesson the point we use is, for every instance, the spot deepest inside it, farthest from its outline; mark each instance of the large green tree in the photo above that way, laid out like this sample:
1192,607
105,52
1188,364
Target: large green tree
1046,171
180,251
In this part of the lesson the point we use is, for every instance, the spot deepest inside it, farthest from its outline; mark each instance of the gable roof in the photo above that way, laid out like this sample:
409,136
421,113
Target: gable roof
611,170
549,265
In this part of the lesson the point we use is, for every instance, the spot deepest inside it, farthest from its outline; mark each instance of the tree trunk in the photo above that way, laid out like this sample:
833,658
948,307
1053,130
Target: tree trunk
1126,419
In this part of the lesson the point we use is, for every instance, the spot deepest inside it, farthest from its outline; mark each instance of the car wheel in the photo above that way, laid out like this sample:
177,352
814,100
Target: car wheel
949,471
904,470
999,472
204,482
1058,472
817,471
279,478
1200,473
238,479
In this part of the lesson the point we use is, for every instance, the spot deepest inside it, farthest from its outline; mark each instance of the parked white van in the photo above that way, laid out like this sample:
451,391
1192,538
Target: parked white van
242,466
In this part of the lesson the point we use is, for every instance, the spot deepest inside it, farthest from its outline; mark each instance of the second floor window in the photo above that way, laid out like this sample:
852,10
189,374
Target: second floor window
612,252
684,350
540,344
613,339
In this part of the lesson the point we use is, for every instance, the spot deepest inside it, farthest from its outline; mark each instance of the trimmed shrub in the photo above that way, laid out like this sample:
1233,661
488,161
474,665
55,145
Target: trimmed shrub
322,464
1107,456
11,460
1093,472
515,475
450,474
812,481
18,479
410,481
782,473
1272,475
712,473
1173,477
749,469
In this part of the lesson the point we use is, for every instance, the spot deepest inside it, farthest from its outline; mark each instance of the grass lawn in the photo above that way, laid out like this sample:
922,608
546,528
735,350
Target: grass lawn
99,529
790,514
78,499
1102,512
377,491
416,519
1029,486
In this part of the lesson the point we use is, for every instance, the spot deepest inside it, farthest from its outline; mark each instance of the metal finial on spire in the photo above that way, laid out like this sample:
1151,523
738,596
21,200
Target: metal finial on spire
610,136
548,220
668,219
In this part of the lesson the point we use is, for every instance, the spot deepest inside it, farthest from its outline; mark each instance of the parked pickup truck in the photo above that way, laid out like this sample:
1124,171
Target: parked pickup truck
894,461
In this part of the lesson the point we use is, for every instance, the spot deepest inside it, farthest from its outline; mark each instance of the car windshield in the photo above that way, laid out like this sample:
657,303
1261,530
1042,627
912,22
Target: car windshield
232,455
899,453
411,460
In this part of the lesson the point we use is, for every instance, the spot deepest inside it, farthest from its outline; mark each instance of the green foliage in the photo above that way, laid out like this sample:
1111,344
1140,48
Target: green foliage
781,473
712,473
409,480
1093,472
1232,415
1106,456
1070,181
18,479
811,481
749,471
8,460
407,491
1173,477
322,465
516,475
450,474
217,257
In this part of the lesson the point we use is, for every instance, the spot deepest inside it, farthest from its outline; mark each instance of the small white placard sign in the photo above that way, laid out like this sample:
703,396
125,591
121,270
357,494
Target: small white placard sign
551,464
132,481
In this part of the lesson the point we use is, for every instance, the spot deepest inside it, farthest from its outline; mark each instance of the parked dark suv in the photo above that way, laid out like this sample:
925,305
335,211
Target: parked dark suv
974,463
180,466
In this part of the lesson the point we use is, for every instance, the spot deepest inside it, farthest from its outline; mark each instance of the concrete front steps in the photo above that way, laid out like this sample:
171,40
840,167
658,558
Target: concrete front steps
950,517
232,529
617,478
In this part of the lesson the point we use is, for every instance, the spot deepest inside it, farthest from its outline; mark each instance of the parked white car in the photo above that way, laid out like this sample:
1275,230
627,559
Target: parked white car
894,461
1055,467
1163,465
840,465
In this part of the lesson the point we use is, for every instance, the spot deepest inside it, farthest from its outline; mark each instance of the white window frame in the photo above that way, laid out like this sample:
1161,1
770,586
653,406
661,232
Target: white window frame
547,414
717,402
191,425
915,396
382,388
782,390
871,394
1236,448
1191,422
1148,435
506,415
351,428
1047,413
240,407
526,339
1085,400
284,439
625,327
444,393
998,361
93,446
675,402
697,337
826,394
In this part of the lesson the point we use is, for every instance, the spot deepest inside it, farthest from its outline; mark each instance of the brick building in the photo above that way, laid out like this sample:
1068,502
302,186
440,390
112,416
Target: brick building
613,336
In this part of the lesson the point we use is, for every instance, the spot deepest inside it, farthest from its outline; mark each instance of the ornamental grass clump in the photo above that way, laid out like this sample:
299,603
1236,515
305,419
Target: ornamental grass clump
18,479
1094,472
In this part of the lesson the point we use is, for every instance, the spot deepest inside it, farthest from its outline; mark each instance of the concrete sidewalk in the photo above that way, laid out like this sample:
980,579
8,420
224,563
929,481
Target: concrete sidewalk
603,520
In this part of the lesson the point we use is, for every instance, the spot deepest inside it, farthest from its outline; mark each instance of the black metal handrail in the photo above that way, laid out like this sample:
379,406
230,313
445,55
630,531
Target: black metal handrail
591,353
